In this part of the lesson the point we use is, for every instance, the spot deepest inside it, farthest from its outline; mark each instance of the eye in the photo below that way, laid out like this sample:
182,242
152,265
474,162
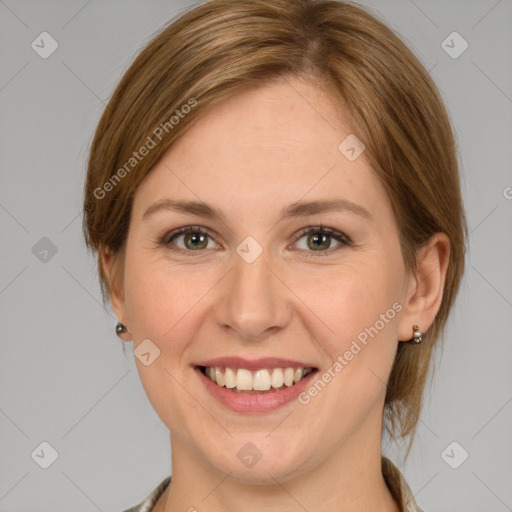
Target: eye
319,240
194,239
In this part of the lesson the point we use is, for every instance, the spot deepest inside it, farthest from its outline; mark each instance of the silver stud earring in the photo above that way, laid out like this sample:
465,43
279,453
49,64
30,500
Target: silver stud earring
418,335
120,328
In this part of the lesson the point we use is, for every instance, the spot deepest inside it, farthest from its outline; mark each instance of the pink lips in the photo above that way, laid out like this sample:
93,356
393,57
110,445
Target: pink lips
254,403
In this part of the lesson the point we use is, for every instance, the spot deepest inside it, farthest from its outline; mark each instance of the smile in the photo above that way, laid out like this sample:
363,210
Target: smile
251,386
264,380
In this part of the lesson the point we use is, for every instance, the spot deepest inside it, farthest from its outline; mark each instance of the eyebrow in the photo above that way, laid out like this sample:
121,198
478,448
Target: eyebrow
297,209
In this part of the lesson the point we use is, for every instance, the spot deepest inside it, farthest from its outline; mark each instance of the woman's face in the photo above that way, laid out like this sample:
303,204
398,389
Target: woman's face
258,285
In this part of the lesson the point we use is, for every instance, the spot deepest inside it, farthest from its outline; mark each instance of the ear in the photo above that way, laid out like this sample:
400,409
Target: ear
425,289
112,265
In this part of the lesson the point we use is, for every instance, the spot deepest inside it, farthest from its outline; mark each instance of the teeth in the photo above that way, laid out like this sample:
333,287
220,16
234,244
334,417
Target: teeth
229,378
219,378
242,379
277,378
261,381
288,376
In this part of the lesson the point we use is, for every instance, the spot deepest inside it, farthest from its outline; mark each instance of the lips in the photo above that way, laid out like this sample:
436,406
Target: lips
258,385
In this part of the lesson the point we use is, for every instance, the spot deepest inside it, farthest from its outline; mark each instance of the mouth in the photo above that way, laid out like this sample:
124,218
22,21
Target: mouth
256,382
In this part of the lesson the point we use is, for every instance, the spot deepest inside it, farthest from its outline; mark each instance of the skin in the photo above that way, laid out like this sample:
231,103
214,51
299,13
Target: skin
250,156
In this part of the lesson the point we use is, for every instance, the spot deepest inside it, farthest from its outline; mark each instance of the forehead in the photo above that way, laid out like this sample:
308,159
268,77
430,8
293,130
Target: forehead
267,146
287,117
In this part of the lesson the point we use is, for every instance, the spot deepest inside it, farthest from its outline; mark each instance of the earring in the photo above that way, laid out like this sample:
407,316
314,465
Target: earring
120,328
418,335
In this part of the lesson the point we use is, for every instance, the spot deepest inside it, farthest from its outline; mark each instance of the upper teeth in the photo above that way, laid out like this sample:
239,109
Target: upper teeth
260,380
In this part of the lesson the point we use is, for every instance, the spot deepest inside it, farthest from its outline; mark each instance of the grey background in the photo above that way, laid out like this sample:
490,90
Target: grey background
63,376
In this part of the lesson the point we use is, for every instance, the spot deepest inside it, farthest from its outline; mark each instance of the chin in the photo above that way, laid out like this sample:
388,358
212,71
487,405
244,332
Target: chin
262,473
258,460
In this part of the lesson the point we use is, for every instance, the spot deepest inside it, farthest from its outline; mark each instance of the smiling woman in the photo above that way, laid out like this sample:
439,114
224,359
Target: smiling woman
292,247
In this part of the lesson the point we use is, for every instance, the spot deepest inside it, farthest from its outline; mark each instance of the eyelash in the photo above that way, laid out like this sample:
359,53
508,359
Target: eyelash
339,237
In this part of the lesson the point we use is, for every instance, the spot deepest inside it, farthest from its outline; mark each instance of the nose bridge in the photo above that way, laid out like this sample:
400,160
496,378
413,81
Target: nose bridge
253,301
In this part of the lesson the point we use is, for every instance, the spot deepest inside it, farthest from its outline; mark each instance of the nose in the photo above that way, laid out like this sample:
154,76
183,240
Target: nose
253,302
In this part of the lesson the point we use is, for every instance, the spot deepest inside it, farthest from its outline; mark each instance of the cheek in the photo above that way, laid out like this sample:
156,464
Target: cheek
160,299
160,304
359,304
350,298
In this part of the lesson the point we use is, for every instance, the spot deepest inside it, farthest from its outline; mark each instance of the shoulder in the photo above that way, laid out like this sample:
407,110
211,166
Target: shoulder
399,487
147,504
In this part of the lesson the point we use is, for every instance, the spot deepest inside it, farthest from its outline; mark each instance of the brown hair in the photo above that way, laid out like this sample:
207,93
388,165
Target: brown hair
223,47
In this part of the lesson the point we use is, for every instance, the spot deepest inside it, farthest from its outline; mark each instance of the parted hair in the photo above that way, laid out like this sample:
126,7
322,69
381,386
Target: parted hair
222,47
